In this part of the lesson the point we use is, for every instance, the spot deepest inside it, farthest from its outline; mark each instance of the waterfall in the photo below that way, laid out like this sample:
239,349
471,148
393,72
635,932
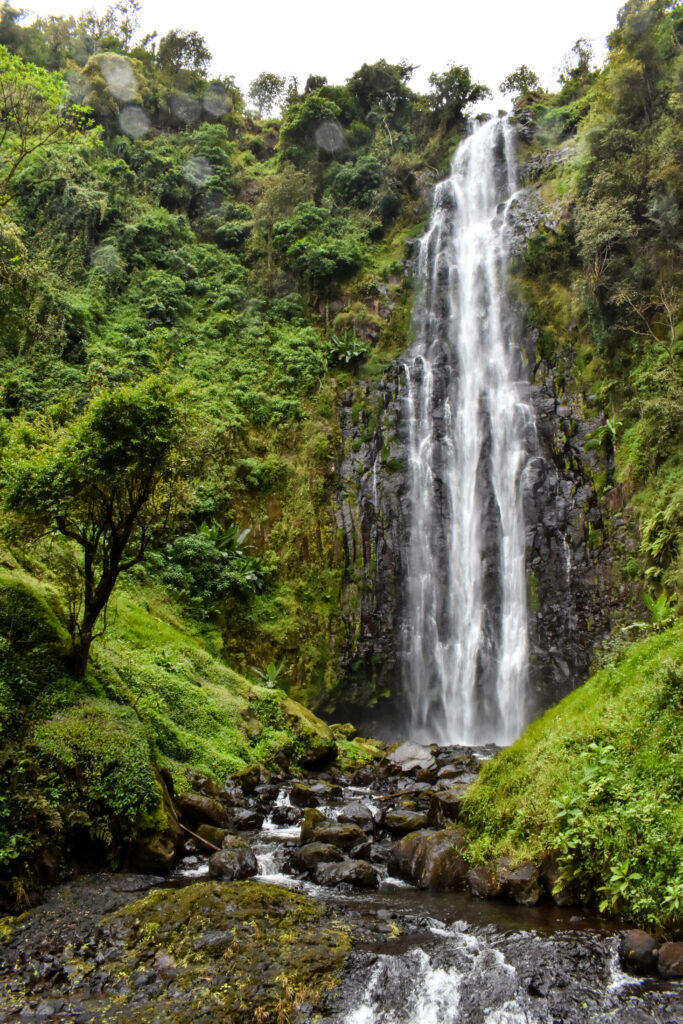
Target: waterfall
464,633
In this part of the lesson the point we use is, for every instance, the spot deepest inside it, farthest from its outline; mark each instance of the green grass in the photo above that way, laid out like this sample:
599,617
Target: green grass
598,781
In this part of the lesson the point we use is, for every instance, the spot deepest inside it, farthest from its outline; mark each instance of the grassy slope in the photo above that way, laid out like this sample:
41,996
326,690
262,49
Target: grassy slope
599,781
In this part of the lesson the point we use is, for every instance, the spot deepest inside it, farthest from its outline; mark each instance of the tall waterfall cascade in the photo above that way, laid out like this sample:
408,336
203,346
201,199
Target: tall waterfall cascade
464,632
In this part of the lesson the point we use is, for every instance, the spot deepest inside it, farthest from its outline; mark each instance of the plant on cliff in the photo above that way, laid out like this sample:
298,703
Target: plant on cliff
110,484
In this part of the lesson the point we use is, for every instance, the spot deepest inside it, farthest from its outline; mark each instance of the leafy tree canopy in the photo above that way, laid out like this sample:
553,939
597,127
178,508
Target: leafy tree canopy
111,484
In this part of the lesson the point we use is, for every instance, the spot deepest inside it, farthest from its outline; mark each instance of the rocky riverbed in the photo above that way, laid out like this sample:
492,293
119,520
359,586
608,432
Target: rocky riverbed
339,898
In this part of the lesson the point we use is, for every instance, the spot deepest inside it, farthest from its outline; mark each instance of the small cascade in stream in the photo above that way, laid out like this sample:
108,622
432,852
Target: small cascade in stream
469,428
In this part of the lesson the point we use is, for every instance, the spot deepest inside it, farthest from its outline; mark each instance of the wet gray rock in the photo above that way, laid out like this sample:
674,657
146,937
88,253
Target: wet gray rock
638,952
249,778
401,822
302,795
236,860
196,810
286,815
244,819
483,882
312,819
357,813
670,960
524,884
445,806
213,835
430,860
306,858
349,872
343,836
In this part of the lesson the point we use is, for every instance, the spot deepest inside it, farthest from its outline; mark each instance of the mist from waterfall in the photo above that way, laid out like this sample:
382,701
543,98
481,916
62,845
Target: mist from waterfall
464,633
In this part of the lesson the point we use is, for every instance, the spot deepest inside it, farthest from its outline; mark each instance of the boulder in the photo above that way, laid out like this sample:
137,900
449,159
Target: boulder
361,852
430,860
213,835
350,872
483,882
326,791
339,834
411,757
285,815
248,778
306,858
235,860
318,745
524,884
312,820
563,891
670,961
356,813
196,810
401,822
445,806
154,854
244,820
637,952
302,795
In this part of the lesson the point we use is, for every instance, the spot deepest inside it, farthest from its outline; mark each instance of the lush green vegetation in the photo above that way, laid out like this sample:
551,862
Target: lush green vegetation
598,783
187,285
602,277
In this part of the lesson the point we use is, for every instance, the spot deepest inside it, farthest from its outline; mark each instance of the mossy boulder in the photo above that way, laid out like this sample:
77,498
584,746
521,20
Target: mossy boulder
234,861
318,745
283,948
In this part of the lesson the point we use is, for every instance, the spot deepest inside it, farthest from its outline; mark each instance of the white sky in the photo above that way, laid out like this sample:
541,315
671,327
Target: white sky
302,37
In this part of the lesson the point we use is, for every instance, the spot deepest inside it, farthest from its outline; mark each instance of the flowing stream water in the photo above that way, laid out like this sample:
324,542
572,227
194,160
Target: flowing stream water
465,628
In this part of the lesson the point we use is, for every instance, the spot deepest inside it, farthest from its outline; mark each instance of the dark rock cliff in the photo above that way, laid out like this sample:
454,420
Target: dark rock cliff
571,590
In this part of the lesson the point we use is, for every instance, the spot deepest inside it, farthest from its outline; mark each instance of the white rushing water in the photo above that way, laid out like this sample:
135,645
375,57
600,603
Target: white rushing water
465,632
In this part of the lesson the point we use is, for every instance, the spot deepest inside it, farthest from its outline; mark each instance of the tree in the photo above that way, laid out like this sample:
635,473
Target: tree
520,82
33,114
576,65
265,91
111,486
452,92
183,50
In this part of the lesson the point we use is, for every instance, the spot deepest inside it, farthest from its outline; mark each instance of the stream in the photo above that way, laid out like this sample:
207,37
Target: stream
424,957
417,956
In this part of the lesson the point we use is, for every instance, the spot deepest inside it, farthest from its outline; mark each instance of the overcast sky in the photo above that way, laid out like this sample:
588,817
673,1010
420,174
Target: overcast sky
303,37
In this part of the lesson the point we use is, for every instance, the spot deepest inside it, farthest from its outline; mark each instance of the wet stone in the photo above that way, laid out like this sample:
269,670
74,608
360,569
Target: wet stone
637,952
402,822
236,860
312,820
304,796
357,813
307,857
244,820
524,884
341,835
213,835
445,806
196,810
349,872
670,961
483,882
286,815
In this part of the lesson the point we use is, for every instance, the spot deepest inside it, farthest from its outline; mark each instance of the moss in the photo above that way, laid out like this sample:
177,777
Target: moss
532,592
254,951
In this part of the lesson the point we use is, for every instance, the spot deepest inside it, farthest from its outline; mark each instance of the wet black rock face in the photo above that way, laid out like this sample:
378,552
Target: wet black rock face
572,593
